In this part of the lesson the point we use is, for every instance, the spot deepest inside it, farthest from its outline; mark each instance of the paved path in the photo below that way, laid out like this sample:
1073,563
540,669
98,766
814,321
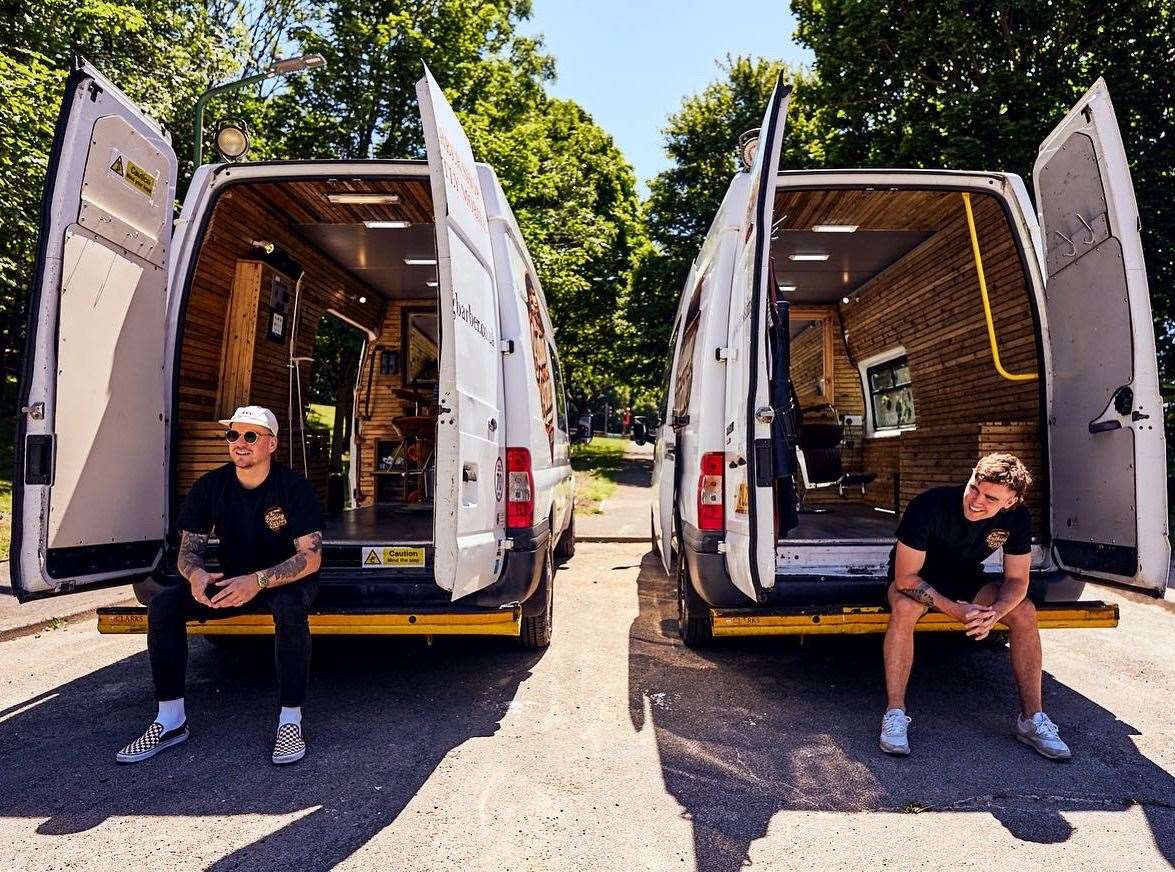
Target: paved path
625,514
32,617
616,749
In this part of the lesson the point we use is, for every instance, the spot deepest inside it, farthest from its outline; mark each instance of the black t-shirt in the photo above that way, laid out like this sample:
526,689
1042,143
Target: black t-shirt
955,547
256,528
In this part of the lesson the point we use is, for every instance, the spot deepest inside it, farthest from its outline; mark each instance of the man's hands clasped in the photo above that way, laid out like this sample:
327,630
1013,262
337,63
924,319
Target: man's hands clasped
235,592
978,620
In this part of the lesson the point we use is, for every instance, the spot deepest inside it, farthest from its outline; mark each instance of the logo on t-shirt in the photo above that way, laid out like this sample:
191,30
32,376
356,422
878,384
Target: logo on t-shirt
275,519
996,538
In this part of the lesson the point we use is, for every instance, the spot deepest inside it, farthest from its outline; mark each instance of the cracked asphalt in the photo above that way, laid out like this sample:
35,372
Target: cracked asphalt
616,749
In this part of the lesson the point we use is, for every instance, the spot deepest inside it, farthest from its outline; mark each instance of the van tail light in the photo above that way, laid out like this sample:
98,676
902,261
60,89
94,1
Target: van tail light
711,489
519,488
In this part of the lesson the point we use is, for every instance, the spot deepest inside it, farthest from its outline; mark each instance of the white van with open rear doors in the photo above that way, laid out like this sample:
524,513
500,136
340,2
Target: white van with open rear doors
445,471
849,338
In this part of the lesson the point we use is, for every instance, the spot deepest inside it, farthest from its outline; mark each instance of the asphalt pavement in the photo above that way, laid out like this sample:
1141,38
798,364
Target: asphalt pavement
615,749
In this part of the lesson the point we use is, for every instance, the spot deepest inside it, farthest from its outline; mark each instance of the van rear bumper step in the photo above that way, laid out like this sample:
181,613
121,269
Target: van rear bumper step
832,620
503,622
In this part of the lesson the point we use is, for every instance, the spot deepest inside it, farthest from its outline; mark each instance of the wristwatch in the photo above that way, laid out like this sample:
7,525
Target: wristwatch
262,582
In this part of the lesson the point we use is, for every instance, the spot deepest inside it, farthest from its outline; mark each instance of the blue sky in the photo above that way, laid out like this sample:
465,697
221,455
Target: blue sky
630,62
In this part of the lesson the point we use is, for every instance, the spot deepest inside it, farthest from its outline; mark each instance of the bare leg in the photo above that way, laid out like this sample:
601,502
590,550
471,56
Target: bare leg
898,649
1024,640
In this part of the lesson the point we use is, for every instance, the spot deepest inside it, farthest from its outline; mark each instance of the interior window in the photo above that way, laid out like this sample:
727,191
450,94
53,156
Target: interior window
683,378
891,398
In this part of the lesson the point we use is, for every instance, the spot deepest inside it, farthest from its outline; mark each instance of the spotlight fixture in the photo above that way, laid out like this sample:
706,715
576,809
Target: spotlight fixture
835,228
356,199
264,244
807,257
232,139
844,300
420,261
362,299
386,225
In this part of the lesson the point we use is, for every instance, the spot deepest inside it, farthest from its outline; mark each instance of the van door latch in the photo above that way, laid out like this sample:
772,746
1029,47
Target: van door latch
36,411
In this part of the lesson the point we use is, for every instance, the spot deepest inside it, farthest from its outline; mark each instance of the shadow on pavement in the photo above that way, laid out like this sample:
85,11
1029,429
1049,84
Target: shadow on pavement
749,728
382,714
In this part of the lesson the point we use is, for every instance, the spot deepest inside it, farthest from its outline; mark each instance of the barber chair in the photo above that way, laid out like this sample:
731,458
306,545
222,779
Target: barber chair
818,455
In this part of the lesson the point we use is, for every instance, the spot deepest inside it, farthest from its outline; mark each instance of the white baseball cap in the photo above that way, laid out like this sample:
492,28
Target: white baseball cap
258,415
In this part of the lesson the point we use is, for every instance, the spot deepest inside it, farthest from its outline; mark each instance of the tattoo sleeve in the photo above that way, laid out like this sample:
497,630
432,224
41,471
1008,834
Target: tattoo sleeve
191,554
921,592
298,565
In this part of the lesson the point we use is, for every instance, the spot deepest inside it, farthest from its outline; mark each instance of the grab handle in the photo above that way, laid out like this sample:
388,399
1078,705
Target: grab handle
995,351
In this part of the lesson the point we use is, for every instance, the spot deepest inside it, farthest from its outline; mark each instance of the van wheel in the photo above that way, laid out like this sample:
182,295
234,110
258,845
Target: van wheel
693,616
565,550
536,628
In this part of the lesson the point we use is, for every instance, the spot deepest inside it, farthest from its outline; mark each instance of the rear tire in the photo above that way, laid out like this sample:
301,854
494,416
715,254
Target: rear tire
693,615
565,550
536,629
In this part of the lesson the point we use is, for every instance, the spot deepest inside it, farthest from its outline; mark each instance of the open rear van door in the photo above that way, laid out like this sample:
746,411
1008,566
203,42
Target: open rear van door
88,501
469,518
1106,445
749,489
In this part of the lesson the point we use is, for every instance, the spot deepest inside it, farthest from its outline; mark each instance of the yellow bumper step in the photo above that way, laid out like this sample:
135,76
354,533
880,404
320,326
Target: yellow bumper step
875,619
507,622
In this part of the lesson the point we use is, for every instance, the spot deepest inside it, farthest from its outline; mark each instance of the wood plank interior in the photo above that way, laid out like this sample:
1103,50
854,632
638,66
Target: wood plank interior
928,302
228,356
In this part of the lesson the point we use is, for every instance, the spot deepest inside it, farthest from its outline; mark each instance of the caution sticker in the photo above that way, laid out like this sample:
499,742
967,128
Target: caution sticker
133,174
394,555
741,501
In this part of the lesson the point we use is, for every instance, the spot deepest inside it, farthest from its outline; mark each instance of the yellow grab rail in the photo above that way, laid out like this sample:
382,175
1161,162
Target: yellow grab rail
995,351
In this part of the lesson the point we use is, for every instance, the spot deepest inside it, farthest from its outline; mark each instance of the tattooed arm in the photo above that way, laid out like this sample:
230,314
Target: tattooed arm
307,560
190,564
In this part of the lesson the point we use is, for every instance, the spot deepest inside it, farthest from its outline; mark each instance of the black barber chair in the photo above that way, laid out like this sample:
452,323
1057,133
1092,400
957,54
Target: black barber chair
818,453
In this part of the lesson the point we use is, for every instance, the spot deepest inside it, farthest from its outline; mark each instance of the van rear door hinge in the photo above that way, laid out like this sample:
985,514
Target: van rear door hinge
506,346
722,548
726,353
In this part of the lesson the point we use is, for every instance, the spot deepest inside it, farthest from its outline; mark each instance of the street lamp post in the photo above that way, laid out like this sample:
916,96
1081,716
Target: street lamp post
285,67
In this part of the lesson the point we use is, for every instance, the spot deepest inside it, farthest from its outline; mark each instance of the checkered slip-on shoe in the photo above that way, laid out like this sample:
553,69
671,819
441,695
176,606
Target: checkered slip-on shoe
152,742
289,746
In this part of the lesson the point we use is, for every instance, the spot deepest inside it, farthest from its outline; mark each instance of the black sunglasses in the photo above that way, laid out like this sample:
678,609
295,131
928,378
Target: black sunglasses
250,436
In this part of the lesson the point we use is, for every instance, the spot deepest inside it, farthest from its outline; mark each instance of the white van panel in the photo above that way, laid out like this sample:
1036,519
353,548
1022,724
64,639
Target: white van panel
93,385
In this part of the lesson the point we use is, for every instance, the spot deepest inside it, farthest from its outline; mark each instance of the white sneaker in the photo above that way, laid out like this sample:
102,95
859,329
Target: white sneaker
1041,733
894,725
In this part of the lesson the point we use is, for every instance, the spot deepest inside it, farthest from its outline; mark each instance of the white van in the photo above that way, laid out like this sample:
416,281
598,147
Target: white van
145,330
848,338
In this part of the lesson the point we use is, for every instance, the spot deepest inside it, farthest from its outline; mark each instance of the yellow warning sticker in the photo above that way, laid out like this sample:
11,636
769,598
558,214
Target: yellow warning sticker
741,500
133,174
140,178
395,555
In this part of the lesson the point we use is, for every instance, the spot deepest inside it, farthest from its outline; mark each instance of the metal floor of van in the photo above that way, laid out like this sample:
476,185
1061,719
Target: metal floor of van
845,520
381,523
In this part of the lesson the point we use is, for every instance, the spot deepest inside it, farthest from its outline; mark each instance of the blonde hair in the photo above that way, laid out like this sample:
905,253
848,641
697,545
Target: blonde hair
1000,467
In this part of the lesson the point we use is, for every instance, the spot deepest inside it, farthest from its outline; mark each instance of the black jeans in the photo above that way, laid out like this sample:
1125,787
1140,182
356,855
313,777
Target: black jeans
167,635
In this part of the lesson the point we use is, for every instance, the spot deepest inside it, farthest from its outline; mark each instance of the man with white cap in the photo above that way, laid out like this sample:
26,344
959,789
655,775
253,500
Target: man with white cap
268,523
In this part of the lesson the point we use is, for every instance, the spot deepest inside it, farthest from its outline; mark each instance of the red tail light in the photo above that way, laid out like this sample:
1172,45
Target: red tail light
711,489
519,488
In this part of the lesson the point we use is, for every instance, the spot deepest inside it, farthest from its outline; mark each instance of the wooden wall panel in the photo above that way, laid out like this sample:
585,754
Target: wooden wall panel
243,214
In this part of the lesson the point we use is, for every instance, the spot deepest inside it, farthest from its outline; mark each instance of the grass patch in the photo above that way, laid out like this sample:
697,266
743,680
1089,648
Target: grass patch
596,466
321,416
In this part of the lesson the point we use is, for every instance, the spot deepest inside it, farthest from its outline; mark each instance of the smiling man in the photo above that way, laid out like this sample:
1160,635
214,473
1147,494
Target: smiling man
268,524
944,536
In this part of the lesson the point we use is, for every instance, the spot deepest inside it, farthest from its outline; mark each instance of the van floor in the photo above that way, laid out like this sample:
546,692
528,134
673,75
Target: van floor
845,520
381,523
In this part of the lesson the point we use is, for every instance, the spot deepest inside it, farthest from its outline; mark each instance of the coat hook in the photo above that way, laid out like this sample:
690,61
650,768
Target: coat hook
1085,224
1072,247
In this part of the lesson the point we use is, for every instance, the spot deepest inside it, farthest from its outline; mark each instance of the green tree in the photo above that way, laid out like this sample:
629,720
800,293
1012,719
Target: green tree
701,140
977,84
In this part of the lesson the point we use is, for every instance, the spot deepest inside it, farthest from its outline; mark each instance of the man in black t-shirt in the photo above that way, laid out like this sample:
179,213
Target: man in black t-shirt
269,527
944,536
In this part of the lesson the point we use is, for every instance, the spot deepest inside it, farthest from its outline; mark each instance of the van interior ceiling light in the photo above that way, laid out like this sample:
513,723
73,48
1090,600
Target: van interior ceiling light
786,287
432,283
807,257
386,225
748,147
360,199
232,139
420,261
285,67
835,228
